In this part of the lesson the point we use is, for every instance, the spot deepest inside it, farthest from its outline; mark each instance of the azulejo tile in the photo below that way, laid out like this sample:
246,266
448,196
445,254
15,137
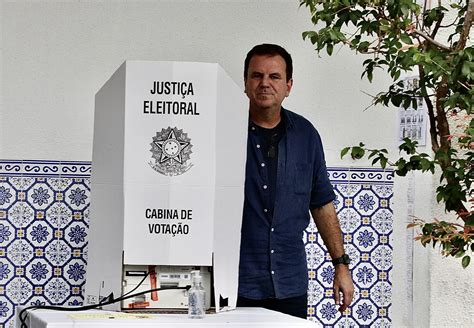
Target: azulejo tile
76,234
39,271
327,311
366,238
7,233
349,220
75,271
6,271
20,252
326,275
44,247
382,323
364,209
19,290
382,220
39,233
58,252
381,294
364,275
315,292
56,291
382,257
44,205
366,202
6,309
314,255
59,215
40,196
7,195
365,312
59,184
346,322
77,196
20,214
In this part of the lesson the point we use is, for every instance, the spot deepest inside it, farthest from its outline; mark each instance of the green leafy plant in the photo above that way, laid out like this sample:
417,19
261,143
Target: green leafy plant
400,36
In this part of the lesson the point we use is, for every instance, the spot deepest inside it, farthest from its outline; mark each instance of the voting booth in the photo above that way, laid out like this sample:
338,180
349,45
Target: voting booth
167,183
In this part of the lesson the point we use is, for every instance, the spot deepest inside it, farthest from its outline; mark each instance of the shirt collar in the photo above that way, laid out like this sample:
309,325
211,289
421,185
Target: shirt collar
287,120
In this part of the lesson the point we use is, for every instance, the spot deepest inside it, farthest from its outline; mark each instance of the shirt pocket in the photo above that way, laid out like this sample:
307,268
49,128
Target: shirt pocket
303,178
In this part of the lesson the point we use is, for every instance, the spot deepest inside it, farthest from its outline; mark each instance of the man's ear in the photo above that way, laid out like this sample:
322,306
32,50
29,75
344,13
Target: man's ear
289,85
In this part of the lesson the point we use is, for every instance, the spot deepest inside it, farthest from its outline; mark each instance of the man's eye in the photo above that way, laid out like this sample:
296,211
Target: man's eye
275,77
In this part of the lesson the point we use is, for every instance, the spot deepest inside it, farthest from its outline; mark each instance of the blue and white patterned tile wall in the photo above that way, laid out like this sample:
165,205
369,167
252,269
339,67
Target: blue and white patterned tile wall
44,215
363,205
44,208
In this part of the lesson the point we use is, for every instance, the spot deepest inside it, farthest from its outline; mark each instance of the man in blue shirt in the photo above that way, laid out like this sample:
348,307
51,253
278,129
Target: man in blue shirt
286,179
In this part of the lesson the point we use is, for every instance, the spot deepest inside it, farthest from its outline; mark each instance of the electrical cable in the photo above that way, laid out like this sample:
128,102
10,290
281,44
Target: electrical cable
23,315
137,286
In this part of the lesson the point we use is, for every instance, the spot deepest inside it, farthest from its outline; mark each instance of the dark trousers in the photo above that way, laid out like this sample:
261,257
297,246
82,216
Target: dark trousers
295,306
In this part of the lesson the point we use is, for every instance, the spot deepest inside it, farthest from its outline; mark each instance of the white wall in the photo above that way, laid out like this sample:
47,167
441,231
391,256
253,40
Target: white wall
55,55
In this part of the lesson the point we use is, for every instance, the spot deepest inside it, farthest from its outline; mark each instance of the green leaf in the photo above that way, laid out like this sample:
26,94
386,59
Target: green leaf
397,100
344,151
372,153
309,34
329,48
425,164
357,152
470,220
465,261
383,161
396,75
406,38
363,46
466,68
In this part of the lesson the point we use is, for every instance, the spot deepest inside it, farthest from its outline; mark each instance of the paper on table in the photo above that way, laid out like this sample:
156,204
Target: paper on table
108,315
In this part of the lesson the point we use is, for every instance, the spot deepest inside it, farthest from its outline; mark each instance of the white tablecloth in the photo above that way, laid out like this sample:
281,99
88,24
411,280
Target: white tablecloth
241,317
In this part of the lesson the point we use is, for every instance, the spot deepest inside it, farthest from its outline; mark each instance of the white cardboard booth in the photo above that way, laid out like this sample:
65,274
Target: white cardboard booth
167,181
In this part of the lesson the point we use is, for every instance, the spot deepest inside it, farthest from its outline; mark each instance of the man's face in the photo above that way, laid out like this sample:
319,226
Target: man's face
265,83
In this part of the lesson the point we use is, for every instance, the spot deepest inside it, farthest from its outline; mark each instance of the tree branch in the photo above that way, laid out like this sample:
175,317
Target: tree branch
430,107
437,26
466,29
431,40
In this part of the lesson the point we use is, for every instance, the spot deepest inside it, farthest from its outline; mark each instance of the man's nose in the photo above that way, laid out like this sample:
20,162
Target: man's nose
265,81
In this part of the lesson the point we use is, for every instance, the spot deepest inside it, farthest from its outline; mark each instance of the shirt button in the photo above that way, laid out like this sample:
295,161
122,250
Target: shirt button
265,186
262,165
253,128
272,229
273,272
265,210
258,146
272,251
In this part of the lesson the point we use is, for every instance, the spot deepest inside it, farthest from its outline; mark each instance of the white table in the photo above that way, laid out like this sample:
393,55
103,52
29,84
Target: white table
241,317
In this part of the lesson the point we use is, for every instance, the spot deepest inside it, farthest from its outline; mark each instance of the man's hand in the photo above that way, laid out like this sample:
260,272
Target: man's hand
343,284
328,226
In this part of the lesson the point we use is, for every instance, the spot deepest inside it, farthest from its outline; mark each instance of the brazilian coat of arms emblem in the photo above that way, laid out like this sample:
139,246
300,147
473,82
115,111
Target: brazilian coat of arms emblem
171,149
